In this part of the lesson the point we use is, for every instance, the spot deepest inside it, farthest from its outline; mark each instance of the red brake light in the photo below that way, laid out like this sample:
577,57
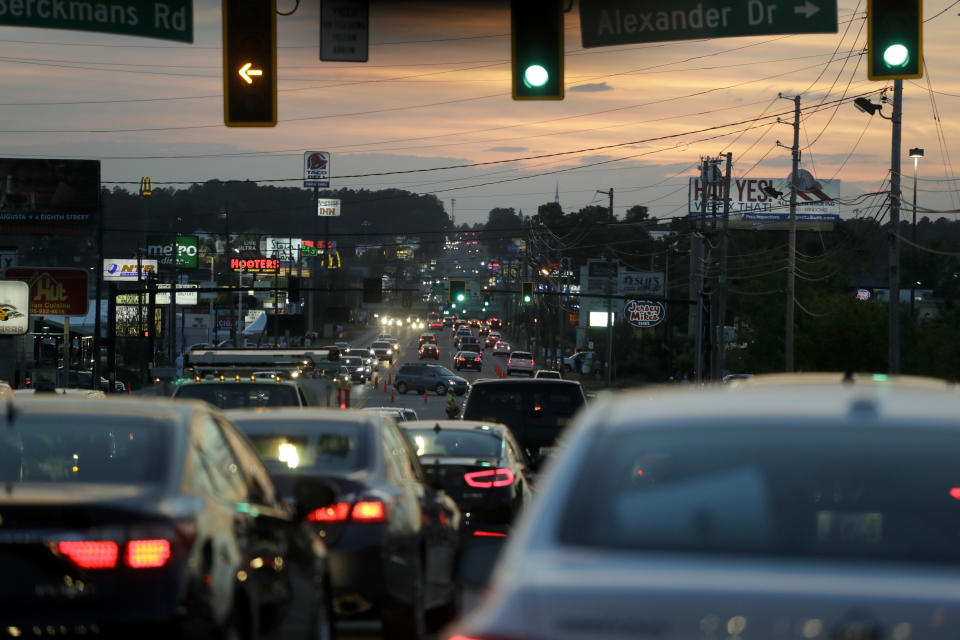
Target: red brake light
490,478
90,554
337,512
489,534
955,493
369,511
142,554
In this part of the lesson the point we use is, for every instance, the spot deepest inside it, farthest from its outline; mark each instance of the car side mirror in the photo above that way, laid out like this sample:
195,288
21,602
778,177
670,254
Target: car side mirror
311,494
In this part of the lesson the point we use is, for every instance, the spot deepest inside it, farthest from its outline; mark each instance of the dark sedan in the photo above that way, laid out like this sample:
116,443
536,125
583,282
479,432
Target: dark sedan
125,518
430,351
478,464
468,360
392,538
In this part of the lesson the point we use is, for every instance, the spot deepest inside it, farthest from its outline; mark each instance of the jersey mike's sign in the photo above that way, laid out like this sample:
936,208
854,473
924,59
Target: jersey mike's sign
644,313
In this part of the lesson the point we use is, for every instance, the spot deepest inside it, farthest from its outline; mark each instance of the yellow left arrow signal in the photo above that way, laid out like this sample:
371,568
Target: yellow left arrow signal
246,72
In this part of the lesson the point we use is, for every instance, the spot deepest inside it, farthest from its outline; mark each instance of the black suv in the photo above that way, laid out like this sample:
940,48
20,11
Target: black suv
536,410
428,377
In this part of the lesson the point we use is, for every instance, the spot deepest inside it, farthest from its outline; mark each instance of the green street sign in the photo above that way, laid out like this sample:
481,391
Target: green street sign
612,22
163,19
161,249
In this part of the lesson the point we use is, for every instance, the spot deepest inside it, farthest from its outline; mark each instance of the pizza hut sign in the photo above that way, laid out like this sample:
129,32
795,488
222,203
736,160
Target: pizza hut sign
644,313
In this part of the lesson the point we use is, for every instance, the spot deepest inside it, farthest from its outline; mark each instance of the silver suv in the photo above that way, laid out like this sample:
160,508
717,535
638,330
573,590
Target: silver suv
421,377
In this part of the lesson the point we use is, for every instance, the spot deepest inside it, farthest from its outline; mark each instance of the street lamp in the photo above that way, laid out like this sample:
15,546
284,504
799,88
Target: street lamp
916,153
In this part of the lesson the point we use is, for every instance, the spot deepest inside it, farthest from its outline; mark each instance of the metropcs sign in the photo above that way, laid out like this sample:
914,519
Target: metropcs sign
163,247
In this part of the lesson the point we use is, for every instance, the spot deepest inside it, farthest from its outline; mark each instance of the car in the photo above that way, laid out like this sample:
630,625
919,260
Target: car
448,322
468,360
547,373
430,351
436,324
537,411
483,331
520,361
356,367
383,350
490,340
582,362
146,517
369,359
470,343
400,414
495,323
392,538
501,348
243,393
792,506
427,338
428,377
343,347
479,465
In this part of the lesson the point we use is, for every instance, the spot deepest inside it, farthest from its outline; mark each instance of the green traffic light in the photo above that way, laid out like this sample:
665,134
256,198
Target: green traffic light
459,297
535,76
453,305
526,298
896,55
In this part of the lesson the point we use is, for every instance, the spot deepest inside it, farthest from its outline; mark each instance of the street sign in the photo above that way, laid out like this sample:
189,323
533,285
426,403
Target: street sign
54,291
612,22
344,30
162,19
316,169
14,307
644,313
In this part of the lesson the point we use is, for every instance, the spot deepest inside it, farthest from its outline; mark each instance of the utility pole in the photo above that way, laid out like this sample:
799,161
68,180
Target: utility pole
720,347
707,171
893,354
792,242
611,289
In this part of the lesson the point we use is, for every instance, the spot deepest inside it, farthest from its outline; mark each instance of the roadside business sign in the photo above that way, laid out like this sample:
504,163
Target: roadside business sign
186,294
612,22
14,307
54,291
163,19
328,208
640,283
163,249
644,313
316,169
37,196
764,203
125,270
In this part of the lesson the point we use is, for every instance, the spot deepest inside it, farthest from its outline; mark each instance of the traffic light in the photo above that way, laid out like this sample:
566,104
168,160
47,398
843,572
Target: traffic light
526,293
250,63
536,34
894,39
458,291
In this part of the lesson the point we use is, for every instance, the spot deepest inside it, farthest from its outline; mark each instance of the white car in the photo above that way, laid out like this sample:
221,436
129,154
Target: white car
520,361
768,511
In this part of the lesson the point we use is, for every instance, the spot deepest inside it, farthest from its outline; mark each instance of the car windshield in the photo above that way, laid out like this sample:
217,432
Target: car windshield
307,444
352,361
823,492
85,448
241,395
522,355
456,443
381,345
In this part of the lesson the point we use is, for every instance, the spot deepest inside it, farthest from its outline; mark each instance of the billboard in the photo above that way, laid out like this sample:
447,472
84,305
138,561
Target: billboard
316,169
53,291
764,203
14,307
39,195
121,270
161,249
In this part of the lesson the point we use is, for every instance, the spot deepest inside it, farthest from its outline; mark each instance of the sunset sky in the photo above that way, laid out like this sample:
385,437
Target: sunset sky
436,92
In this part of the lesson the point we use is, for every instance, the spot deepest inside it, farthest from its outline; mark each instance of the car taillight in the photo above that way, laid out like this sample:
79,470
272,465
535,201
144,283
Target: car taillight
370,511
338,512
90,554
489,534
489,478
143,554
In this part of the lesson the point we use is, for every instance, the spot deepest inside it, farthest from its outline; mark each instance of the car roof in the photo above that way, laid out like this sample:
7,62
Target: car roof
535,382
157,408
455,425
287,414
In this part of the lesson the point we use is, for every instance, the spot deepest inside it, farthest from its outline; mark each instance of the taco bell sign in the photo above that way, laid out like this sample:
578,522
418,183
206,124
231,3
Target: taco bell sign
316,169
644,313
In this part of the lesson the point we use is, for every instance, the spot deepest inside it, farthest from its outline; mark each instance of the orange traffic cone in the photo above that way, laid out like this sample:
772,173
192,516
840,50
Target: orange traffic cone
392,397
426,400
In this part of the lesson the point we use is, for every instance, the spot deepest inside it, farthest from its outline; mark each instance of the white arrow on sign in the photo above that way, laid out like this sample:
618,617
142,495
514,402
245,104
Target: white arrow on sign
807,9
246,72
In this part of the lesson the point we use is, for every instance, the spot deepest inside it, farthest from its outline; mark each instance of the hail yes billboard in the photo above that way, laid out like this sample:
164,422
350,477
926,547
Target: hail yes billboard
764,203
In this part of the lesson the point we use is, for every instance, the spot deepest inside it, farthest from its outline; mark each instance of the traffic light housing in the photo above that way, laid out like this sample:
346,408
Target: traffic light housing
536,35
249,63
457,292
894,39
526,293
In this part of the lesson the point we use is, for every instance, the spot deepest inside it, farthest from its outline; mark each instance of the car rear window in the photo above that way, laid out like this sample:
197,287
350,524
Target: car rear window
301,444
98,449
241,395
456,443
821,492
522,355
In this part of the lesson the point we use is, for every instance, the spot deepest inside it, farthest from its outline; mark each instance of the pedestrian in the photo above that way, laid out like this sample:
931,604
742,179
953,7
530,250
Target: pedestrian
180,365
452,408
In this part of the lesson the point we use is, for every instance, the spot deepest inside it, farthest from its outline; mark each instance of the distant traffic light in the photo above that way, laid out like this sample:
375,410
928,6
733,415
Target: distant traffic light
250,63
894,39
458,291
526,292
536,33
